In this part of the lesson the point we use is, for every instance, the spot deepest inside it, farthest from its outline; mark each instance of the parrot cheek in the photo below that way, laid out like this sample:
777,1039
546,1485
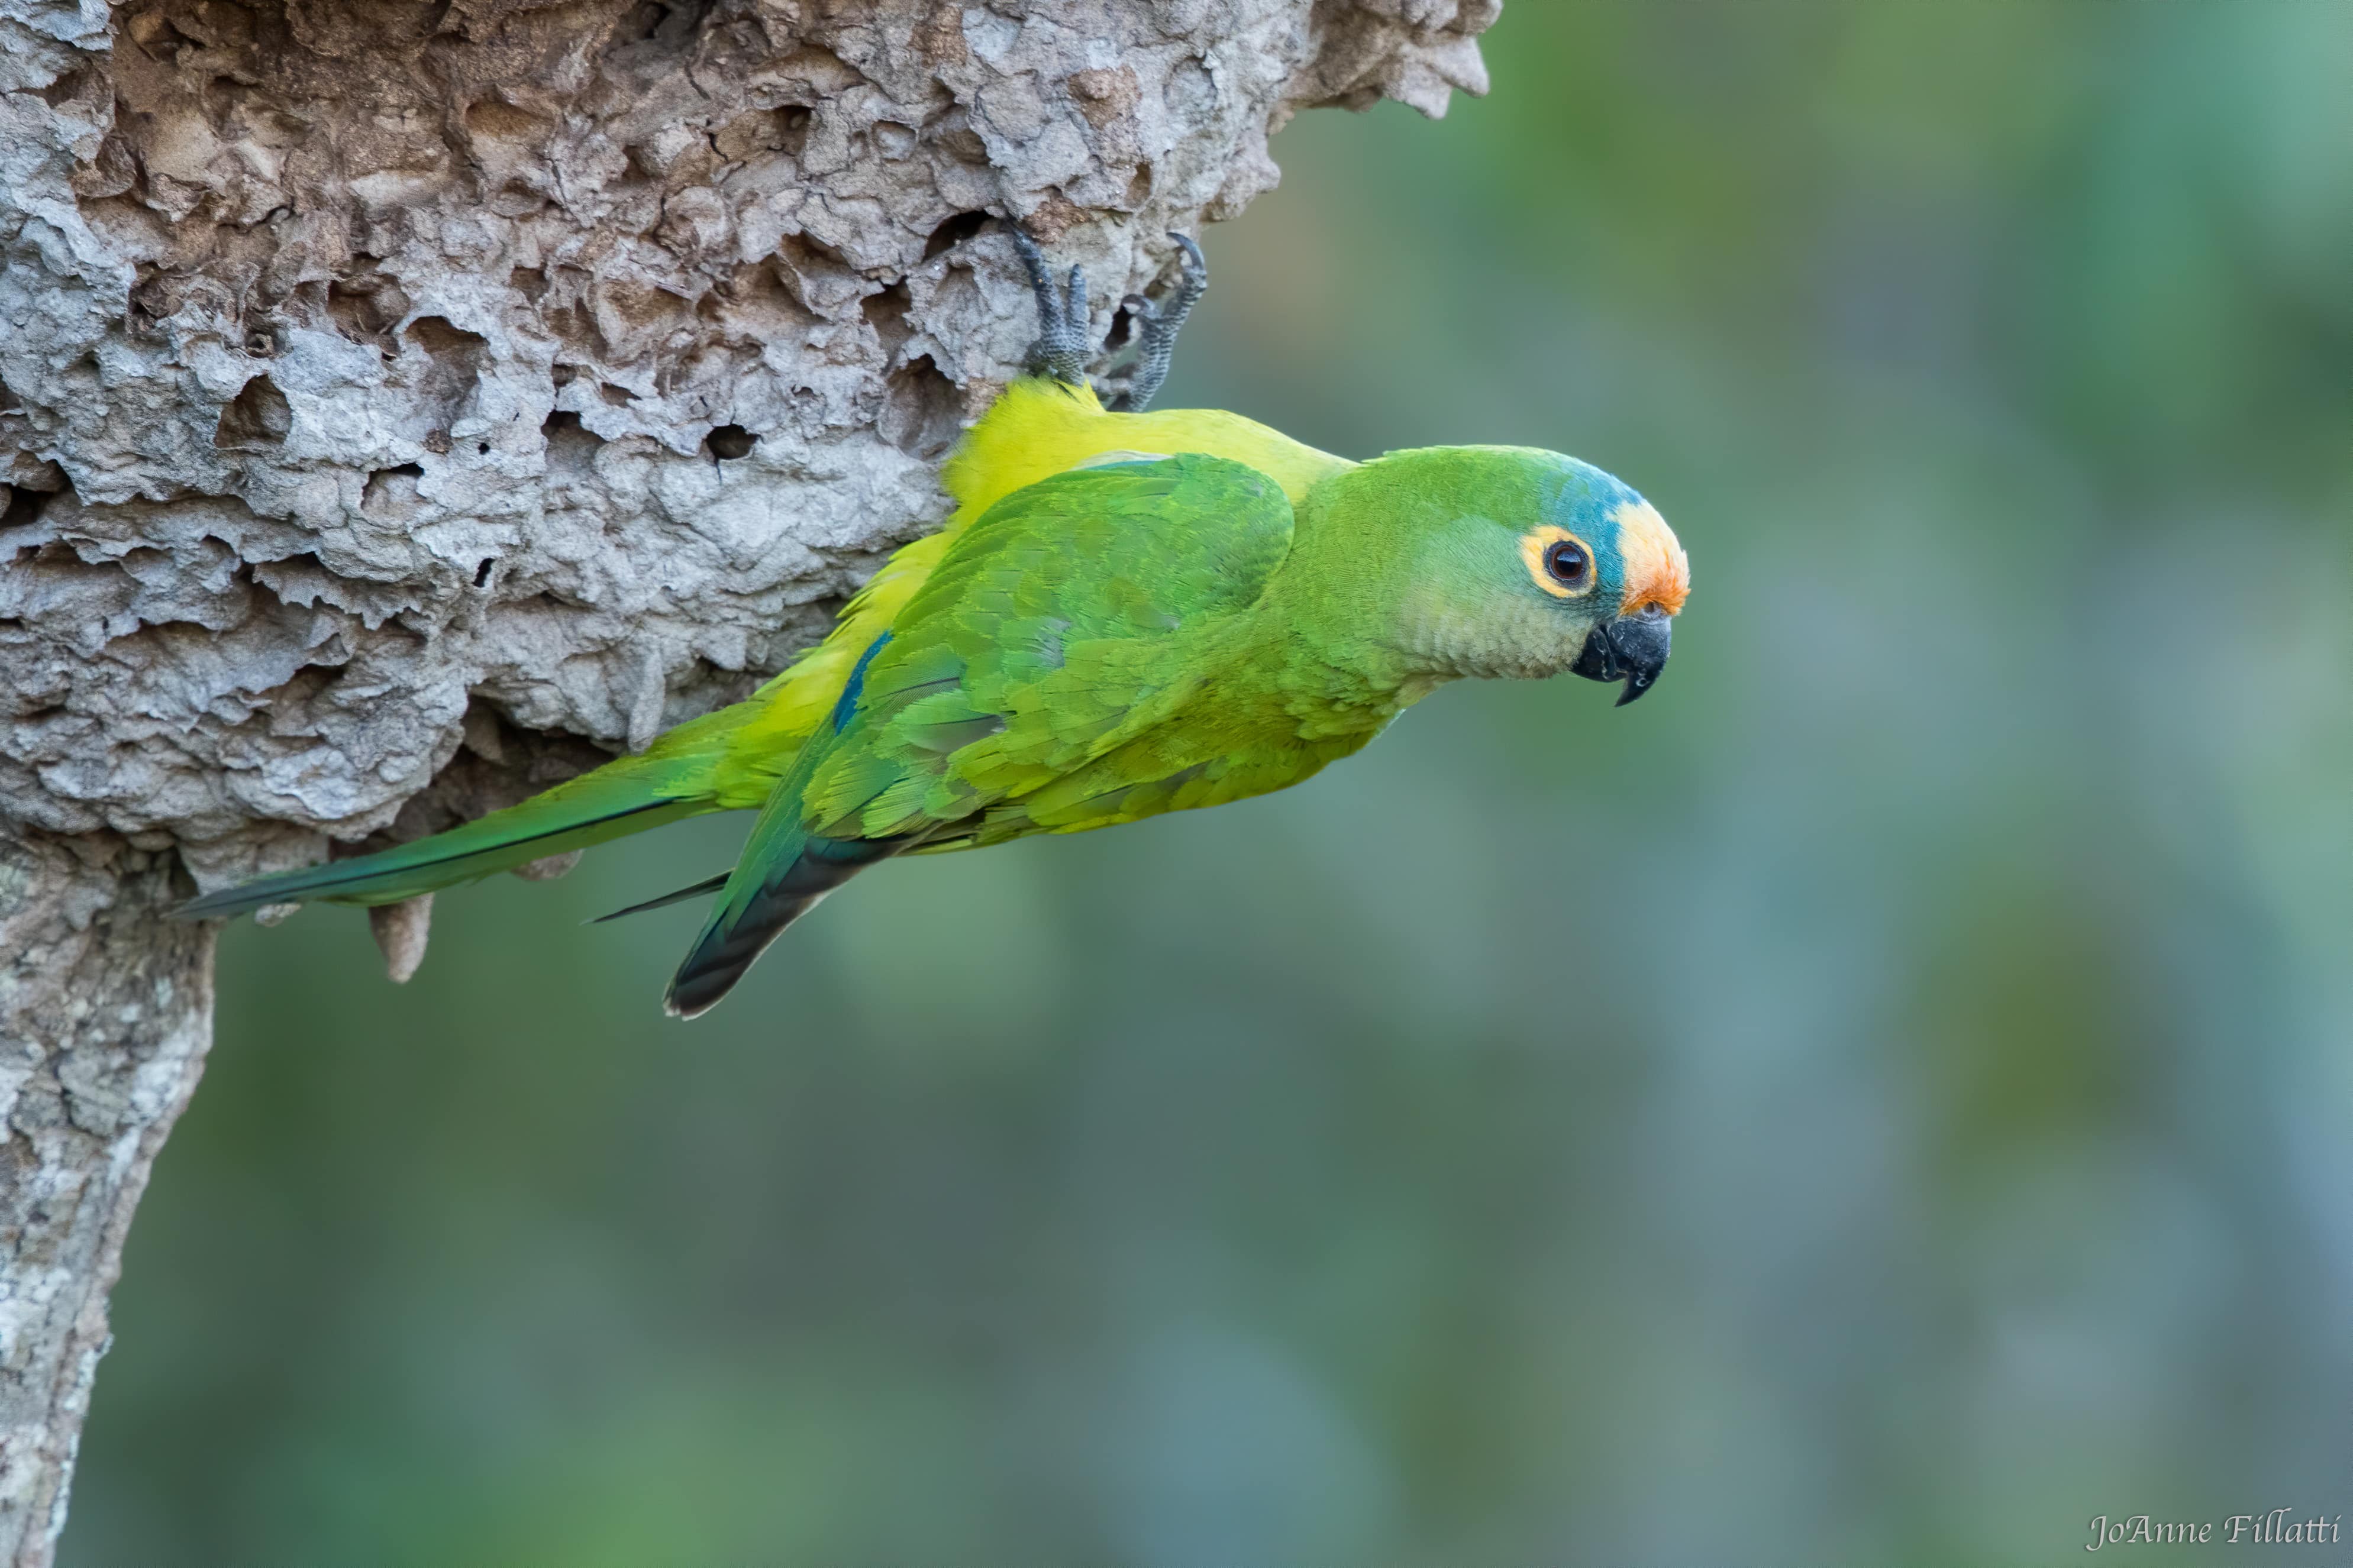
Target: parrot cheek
1513,634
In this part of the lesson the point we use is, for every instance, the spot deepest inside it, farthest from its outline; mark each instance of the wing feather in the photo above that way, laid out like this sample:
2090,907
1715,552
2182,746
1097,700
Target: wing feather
1075,615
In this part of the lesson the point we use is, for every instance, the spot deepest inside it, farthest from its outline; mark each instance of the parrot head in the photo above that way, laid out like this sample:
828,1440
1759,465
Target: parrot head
1510,561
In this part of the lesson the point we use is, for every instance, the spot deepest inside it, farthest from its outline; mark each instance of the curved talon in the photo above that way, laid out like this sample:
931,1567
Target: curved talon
1194,265
1158,325
1032,257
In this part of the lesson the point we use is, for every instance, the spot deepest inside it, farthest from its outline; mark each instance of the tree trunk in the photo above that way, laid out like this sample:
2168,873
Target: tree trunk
105,1012
405,405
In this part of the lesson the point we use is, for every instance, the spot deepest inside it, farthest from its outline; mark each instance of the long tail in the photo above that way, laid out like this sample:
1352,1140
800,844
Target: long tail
783,872
739,933
624,797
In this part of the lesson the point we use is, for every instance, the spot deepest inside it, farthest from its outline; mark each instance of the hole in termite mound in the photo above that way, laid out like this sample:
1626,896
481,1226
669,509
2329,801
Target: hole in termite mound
391,493
921,410
954,232
258,416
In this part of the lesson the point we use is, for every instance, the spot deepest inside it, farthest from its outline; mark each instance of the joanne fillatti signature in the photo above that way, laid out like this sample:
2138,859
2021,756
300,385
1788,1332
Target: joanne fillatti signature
2277,1528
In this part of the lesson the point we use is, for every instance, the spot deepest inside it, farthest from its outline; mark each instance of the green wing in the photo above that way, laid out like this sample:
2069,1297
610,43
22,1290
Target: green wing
1051,648
1068,627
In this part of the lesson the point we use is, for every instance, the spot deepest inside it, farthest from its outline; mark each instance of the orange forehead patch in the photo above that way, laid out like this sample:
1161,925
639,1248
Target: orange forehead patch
1657,570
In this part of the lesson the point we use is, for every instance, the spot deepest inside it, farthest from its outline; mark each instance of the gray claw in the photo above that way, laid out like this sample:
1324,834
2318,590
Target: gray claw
1158,324
1061,349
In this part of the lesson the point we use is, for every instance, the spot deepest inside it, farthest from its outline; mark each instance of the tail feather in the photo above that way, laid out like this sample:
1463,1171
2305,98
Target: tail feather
620,798
739,933
708,885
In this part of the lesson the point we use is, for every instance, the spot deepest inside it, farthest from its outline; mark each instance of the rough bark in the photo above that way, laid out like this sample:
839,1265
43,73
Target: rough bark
405,405
105,1012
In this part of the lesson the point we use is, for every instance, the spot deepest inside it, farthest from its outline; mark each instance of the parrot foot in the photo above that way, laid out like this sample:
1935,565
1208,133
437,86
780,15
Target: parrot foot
1060,350
1159,322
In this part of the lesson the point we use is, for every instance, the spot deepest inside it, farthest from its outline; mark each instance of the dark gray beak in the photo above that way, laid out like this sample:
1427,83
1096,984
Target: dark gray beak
1631,648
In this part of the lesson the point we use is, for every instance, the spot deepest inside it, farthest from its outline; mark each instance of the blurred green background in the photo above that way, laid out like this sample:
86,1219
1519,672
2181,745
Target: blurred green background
1882,1099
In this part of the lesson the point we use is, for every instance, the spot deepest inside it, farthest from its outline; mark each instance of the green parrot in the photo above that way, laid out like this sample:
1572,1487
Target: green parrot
1129,614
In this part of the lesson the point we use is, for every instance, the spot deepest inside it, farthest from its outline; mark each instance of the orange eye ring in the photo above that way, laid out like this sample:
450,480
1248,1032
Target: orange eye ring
1558,561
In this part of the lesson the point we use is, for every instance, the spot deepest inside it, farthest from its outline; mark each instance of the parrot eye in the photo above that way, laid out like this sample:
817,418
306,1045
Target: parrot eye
1557,561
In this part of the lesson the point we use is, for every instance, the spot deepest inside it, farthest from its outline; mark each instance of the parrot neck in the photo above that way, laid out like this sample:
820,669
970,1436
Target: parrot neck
1362,592
1333,606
